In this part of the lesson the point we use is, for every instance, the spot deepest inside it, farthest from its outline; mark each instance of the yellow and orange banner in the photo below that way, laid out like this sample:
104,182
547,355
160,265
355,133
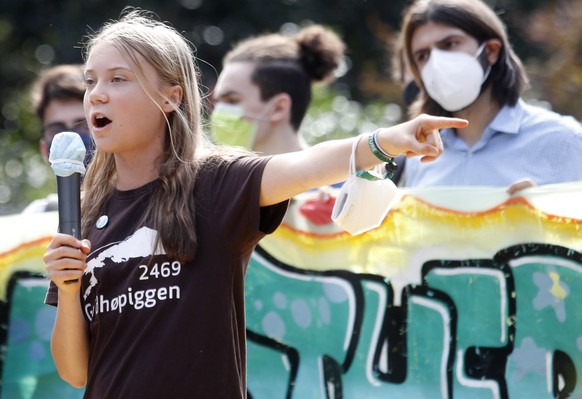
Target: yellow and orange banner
460,293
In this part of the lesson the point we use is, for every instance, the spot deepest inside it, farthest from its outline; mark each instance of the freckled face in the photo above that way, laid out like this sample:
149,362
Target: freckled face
125,115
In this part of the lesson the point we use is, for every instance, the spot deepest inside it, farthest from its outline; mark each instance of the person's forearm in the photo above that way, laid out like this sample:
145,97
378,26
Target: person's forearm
323,164
289,174
69,341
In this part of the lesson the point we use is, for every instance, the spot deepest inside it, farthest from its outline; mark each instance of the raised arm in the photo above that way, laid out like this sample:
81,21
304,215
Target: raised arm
65,262
287,175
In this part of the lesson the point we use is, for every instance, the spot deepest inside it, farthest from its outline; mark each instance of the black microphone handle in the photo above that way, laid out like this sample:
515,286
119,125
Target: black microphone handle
69,193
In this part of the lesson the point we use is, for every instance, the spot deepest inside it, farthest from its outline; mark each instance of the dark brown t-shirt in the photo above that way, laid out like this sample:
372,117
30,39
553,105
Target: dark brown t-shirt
163,329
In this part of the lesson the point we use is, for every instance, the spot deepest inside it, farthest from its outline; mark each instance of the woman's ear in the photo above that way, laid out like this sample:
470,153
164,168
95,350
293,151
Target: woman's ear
174,98
280,108
492,50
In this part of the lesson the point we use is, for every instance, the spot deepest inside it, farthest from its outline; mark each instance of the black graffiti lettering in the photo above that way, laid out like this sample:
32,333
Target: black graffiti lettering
332,376
483,363
390,357
563,375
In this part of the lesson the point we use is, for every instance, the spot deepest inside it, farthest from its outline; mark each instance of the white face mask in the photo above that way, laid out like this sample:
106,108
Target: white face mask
454,78
362,204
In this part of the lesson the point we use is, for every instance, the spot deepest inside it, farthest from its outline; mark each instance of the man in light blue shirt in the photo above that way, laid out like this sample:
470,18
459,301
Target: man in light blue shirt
522,142
461,59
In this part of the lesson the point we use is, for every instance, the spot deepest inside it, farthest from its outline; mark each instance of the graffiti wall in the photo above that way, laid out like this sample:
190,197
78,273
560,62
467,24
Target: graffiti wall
461,293
27,370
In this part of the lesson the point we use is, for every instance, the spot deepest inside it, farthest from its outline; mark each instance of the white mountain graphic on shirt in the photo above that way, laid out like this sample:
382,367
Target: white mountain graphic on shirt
138,245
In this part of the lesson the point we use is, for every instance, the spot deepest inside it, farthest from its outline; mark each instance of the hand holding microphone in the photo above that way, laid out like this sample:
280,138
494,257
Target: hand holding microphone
66,156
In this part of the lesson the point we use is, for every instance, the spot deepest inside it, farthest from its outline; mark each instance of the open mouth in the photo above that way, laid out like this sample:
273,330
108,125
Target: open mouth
100,121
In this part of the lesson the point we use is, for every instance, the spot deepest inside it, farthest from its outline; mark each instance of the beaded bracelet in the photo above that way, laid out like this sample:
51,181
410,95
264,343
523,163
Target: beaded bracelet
377,150
382,155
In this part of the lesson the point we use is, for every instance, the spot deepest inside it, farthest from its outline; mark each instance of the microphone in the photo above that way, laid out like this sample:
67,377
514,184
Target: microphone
66,157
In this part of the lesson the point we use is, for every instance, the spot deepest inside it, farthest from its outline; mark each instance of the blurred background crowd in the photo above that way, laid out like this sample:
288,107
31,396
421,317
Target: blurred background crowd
36,34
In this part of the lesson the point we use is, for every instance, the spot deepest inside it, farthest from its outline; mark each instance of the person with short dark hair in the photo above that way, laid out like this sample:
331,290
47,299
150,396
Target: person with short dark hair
57,101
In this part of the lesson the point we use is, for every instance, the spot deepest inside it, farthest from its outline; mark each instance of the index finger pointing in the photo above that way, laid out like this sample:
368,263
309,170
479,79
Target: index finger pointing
443,122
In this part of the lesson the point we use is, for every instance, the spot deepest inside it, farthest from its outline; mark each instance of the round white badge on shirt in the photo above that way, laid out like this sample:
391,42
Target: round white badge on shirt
102,222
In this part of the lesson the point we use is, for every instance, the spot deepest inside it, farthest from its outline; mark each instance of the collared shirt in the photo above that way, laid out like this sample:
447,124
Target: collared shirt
522,141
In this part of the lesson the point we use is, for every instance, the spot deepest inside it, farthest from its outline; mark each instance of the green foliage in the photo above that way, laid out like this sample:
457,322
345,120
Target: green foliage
35,34
24,174
333,115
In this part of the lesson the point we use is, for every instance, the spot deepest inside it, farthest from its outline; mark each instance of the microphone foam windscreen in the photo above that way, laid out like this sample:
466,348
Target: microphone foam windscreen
67,154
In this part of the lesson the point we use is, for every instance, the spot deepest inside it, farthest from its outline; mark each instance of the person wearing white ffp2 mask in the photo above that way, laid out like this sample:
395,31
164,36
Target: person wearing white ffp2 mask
454,78
462,60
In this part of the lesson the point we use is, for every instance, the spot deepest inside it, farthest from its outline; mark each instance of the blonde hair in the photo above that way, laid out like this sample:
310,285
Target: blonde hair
171,209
